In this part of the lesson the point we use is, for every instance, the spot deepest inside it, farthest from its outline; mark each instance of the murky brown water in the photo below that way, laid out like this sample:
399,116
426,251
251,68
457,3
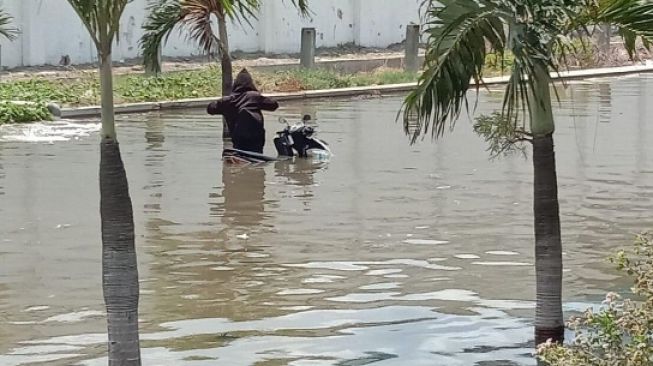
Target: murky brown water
389,255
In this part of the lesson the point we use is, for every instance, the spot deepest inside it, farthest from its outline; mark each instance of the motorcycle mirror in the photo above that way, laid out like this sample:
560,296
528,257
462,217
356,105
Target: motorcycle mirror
283,121
308,120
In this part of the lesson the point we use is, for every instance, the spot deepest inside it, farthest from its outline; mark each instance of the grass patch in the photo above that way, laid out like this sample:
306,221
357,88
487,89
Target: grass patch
320,79
201,83
22,113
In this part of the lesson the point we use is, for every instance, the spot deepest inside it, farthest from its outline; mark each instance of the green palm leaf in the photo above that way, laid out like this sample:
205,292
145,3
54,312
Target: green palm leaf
634,18
302,6
101,18
163,17
461,34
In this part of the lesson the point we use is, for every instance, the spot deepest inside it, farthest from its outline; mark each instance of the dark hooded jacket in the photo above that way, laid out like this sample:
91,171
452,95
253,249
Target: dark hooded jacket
242,112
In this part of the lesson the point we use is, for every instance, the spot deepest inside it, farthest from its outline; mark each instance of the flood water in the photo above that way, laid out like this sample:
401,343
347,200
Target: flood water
390,254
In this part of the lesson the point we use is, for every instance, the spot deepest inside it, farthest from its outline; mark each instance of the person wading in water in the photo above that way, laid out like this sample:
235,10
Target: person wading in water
242,111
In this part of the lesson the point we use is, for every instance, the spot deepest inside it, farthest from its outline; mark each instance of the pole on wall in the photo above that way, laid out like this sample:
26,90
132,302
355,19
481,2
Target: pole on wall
411,62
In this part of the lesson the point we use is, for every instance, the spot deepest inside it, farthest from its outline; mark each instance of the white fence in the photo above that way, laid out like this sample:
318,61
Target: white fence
50,29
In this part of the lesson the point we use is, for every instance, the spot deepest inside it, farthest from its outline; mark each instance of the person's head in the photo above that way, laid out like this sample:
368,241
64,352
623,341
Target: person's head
244,82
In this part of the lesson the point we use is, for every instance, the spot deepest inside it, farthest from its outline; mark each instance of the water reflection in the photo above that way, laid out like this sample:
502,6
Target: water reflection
298,179
3,288
2,174
642,132
244,197
155,156
605,104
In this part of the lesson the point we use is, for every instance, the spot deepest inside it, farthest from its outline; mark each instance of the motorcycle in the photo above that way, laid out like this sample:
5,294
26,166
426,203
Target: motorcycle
294,140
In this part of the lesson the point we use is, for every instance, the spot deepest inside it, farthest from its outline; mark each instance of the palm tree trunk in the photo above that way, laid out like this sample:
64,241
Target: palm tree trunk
548,244
106,88
226,64
119,266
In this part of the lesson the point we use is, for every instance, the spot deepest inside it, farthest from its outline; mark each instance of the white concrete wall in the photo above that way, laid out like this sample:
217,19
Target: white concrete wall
50,29
333,20
383,22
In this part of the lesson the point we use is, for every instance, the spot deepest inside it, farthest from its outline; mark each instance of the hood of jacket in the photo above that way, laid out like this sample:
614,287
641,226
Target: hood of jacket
244,82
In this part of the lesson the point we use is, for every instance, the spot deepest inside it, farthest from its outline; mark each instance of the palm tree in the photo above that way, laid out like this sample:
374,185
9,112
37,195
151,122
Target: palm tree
460,35
195,16
119,266
6,29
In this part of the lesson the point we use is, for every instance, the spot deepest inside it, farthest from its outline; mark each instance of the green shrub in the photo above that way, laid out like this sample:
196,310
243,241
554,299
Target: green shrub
620,332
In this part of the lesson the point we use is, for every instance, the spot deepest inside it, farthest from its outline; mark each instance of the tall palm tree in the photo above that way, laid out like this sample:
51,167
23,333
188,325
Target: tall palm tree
460,35
119,266
6,29
195,16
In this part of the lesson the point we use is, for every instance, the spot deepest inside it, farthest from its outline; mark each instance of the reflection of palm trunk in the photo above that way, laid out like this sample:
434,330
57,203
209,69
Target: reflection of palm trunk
642,120
119,266
2,175
244,196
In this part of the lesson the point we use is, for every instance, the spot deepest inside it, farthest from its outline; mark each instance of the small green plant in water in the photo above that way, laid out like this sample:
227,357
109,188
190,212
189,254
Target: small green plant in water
503,134
620,333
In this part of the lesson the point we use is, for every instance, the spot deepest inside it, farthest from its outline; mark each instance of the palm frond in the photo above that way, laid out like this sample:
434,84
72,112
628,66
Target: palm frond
633,17
163,16
516,96
101,18
87,11
195,16
461,33
6,29
302,6
241,11
114,11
